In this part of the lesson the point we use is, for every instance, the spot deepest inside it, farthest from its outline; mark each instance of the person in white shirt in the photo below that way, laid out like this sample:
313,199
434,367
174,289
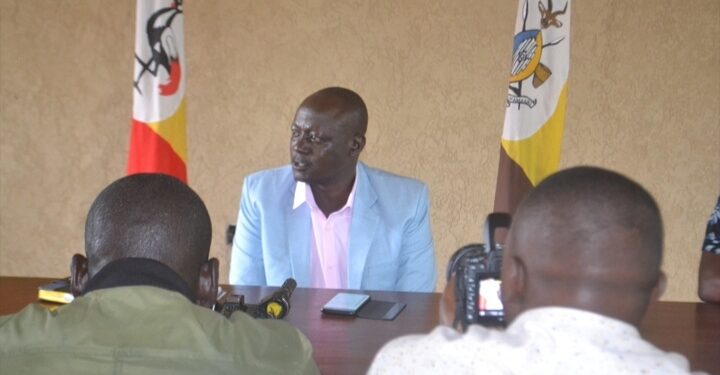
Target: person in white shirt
580,267
709,273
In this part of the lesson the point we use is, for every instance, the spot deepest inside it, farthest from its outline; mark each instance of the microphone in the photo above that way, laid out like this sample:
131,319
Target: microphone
277,305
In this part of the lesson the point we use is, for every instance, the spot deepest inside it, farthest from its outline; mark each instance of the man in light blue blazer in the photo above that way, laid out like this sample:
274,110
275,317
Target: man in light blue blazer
328,220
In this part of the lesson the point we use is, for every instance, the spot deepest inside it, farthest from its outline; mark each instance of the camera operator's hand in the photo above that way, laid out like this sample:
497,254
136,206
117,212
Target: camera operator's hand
447,303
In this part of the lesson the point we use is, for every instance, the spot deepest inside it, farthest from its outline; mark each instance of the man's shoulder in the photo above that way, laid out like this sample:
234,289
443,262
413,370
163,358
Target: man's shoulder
269,180
279,329
272,174
170,322
32,317
297,355
384,179
443,348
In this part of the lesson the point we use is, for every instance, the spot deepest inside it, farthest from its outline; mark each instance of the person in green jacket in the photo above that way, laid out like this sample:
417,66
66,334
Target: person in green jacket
143,293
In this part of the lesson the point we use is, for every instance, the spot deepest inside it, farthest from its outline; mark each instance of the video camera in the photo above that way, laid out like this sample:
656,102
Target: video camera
477,278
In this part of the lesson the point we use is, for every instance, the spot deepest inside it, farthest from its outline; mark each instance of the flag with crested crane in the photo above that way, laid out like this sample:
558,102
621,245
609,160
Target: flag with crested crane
158,136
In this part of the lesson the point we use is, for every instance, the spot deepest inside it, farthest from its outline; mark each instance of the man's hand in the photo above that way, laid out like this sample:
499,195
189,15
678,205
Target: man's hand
709,278
447,303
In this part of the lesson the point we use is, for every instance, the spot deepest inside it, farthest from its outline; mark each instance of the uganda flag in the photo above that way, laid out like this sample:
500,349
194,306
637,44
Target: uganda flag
157,140
536,99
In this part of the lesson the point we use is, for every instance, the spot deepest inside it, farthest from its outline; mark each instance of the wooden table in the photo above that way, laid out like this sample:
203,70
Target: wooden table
348,345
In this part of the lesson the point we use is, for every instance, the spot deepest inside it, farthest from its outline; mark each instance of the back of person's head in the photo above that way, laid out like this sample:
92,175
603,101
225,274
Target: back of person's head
585,238
148,216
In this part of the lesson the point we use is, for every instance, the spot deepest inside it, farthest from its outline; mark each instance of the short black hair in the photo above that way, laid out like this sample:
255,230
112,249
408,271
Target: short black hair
349,102
153,216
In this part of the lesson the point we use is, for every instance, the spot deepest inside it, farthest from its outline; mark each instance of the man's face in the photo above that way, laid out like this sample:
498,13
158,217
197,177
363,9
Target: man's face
321,149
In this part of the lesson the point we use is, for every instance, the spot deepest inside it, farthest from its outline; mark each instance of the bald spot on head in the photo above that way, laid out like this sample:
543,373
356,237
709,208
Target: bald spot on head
589,238
150,216
344,106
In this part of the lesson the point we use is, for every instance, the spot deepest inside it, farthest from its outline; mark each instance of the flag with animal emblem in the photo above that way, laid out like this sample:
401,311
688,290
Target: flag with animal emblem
157,140
536,99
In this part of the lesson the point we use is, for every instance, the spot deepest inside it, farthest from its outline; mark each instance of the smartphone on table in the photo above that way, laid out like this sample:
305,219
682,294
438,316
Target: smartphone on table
345,304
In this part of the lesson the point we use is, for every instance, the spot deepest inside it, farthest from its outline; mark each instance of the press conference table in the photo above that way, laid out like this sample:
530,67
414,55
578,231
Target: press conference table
347,345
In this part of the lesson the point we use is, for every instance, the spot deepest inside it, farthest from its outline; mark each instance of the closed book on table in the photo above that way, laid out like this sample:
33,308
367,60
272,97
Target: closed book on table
56,291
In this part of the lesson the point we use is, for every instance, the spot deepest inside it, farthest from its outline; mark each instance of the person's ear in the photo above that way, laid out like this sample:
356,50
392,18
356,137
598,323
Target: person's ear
207,288
448,303
514,286
358,143
659,288
78,274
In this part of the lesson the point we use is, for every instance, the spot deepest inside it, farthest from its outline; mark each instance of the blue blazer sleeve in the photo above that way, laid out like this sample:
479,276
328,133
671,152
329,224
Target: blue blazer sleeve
417,264
246,264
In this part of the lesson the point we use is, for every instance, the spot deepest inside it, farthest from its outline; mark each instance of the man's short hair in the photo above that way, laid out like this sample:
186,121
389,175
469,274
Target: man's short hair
151,216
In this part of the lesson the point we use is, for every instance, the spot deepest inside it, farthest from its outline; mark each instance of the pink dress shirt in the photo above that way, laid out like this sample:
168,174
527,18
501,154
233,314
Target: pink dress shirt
330,240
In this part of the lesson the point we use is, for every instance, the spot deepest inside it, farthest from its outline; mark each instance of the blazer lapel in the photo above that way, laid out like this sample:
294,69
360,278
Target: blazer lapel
298,240
365,220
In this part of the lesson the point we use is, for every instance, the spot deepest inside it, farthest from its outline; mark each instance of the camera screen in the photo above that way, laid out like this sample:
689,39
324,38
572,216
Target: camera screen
489,303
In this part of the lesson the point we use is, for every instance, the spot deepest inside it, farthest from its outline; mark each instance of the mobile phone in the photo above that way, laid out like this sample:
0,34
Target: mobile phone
345,304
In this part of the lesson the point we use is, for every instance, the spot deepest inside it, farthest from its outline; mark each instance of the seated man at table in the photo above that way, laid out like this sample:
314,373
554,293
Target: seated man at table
327,220
146,286
709,275
581,264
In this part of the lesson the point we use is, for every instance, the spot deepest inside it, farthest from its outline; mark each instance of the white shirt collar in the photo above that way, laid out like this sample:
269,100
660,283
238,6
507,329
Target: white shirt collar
301,193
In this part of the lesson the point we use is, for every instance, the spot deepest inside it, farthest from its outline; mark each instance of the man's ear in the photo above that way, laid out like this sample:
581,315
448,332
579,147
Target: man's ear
207,287
514,286
358,143
448,303
659,288
78,274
